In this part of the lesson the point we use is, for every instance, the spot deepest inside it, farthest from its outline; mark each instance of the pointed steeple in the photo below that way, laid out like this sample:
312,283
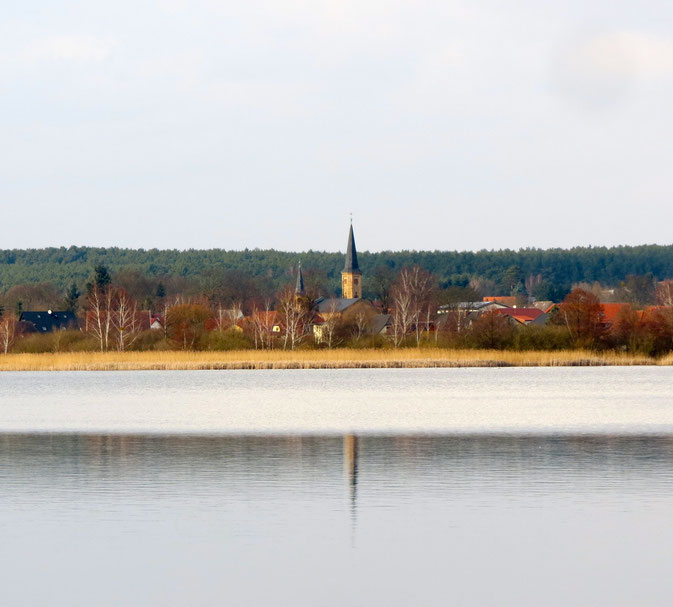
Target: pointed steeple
299,288
351,264
351,277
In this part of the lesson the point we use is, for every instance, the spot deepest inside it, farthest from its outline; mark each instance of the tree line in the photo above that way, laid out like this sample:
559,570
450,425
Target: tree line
195,271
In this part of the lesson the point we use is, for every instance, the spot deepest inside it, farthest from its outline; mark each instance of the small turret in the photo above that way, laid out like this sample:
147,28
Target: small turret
299,289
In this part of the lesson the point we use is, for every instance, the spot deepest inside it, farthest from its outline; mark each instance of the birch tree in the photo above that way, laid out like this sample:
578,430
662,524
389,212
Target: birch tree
411,300
8,324
361,324
124,319
402,315
330,325
98,314
262,326
294,318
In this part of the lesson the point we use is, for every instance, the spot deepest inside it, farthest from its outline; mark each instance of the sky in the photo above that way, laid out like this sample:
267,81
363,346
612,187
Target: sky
448,124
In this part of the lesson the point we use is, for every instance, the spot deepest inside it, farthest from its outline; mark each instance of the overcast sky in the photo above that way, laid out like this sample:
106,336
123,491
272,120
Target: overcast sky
440,124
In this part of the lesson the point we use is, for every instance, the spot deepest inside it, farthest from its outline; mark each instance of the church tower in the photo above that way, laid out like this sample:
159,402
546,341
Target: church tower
299,289
351,277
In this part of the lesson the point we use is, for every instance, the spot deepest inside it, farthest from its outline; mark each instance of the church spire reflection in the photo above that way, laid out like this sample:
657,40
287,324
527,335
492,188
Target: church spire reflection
350,449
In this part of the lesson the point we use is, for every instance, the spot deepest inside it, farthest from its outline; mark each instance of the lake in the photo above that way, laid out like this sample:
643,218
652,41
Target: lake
338,487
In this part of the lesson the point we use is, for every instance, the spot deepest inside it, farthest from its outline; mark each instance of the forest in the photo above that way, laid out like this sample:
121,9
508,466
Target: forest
265,272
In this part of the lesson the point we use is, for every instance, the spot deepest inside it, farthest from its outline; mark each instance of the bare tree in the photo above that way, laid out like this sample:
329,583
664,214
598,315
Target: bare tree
262,326
124,319
98,314
532,281
225,318
411,300
582,313
492,330
381,283
165,312
233,314
361,324
454,321
402,315
8,331
664,293
294,318
329,327
483,286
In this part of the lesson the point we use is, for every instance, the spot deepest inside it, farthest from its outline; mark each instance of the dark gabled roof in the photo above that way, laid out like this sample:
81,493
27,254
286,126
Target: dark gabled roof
46,321
333,305
351,264
379,322
299,287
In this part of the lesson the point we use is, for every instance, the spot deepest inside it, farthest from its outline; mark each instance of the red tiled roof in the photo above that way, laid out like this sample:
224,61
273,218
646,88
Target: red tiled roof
523,315
506,300
611,310
650,312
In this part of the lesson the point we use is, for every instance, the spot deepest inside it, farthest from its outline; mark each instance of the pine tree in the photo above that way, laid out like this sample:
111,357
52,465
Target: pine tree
72,297
102,277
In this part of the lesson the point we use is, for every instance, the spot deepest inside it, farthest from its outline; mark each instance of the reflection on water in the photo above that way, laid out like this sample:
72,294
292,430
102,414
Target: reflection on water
351,520
351,469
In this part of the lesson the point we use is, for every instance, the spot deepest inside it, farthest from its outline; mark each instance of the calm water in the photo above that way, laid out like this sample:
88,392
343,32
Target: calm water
375,487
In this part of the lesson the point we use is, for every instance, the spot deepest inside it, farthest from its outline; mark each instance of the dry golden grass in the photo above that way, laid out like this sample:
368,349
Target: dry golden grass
314,359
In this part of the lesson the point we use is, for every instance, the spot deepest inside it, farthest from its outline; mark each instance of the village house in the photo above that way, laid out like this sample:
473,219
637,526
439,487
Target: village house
47,321
545,306
380,324
505,300
469,307
523,316
610,312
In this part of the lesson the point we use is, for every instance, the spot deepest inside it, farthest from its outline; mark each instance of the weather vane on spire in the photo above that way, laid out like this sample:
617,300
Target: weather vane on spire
351,214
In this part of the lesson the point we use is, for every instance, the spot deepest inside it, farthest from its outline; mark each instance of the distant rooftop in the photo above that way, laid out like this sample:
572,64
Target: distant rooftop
48,320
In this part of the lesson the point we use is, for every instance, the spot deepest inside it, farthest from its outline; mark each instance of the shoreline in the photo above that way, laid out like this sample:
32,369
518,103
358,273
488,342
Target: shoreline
409,358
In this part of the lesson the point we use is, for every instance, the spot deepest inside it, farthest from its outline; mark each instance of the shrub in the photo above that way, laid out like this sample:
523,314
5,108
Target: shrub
187,325
58,341
232,339
151,339
548,337
369,341
492,331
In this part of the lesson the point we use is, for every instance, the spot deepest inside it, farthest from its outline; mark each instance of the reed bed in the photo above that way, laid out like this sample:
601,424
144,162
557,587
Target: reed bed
316,359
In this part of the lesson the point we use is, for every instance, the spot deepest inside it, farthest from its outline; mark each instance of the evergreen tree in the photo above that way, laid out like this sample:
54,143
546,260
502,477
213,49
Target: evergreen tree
102,277
72,297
